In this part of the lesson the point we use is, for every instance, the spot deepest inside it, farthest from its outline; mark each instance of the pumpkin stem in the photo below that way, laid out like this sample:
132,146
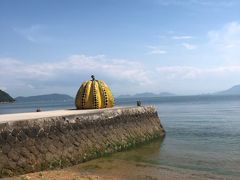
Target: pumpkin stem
93,78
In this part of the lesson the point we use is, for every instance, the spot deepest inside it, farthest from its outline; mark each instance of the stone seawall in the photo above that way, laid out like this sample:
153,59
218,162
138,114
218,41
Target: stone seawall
46,142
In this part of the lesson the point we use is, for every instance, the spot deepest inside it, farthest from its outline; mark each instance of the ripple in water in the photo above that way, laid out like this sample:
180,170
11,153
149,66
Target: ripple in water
203,132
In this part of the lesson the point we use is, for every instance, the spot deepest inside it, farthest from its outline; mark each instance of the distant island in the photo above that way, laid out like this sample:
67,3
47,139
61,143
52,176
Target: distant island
47,97
147,94
5,97
235,90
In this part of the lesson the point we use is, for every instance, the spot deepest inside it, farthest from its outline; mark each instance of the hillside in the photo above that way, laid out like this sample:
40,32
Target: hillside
5,97
47,97
235,90
146,94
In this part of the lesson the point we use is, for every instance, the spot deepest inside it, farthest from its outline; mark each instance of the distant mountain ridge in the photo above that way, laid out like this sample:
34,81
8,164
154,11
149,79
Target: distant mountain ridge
147,94
47,97
235,90
5,97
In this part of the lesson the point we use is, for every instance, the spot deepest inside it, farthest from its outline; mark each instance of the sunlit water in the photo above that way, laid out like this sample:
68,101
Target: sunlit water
203,132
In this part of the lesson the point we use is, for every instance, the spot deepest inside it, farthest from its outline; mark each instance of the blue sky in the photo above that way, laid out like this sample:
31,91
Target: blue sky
179,46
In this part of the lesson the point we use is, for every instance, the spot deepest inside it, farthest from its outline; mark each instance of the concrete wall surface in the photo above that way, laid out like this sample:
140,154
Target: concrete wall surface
64,139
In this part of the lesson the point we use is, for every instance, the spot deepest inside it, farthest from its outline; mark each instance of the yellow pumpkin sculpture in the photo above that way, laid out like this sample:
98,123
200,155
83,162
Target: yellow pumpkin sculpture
94,94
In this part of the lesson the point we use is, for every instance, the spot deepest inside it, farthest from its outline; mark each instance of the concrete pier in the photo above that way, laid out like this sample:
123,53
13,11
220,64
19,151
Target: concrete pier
37,141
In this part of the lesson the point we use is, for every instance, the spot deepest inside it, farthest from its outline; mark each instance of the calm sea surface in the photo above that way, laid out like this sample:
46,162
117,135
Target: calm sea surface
203,132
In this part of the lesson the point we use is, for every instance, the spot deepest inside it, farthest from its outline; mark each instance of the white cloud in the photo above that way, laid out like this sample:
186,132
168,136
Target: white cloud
74,68
191,72
35,33
228,36
155,50
3,88
182,37
223,3
189,46
122,75
226,42
206,3
30,86
116,68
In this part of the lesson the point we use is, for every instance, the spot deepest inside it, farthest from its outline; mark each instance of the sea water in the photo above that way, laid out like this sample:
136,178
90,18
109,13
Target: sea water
202,132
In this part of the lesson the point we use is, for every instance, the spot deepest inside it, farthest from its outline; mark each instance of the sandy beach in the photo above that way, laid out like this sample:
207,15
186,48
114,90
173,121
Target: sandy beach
105,168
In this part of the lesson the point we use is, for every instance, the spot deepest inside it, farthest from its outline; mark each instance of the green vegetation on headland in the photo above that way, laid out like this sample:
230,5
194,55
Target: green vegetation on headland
5,97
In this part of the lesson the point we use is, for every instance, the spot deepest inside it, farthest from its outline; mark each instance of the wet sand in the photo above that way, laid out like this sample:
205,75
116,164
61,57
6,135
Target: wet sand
104,168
